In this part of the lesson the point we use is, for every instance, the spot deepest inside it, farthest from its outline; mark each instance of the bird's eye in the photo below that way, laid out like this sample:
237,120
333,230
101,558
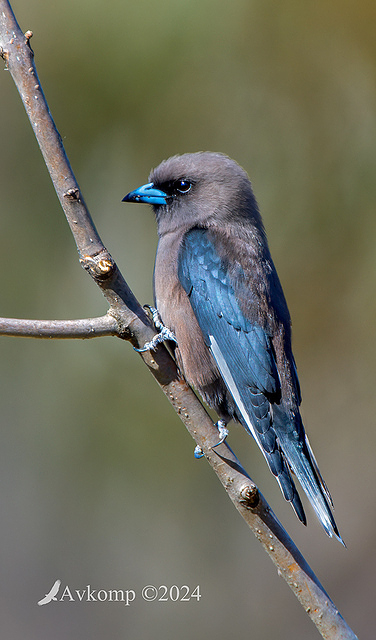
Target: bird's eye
182,186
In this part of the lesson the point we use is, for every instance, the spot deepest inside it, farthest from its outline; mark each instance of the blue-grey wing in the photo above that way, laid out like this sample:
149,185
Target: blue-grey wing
241,348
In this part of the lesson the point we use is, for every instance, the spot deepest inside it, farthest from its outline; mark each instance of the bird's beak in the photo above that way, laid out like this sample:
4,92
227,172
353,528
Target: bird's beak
147,193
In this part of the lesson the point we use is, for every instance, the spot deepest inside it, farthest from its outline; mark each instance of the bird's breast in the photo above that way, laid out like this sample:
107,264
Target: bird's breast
173,304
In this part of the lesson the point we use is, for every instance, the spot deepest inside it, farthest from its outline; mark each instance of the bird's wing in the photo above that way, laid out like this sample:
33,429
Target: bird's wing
55,588
242,350
245,356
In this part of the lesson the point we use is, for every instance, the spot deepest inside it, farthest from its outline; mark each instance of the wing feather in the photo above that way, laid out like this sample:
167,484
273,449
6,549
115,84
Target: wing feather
244,353
242,350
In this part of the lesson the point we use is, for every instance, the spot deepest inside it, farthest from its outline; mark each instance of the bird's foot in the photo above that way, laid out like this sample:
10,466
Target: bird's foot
164,332
162,336
223,432
198,452
155,316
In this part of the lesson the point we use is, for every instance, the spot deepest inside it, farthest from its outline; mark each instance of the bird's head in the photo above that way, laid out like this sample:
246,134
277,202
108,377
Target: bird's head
204,189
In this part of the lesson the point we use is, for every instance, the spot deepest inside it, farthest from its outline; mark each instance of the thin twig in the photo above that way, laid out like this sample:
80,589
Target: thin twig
127,319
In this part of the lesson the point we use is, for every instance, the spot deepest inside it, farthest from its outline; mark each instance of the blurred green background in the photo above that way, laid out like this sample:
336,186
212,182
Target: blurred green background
288,90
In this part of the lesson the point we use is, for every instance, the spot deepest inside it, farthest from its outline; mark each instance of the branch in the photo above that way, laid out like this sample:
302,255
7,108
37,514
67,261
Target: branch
127,319
86,328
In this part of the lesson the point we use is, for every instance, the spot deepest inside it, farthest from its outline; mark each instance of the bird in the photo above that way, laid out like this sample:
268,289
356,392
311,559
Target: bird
220,303
51,595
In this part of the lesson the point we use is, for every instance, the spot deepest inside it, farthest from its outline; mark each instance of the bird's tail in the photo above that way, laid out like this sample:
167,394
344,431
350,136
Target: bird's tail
302,462
259,423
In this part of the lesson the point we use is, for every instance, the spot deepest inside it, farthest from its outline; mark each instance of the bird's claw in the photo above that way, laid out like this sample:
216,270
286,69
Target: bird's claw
223,432
155,316
162,336
198,452
164,332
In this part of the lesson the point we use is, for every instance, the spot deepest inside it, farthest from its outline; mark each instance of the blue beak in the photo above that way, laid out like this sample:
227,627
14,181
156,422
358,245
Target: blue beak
147,193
